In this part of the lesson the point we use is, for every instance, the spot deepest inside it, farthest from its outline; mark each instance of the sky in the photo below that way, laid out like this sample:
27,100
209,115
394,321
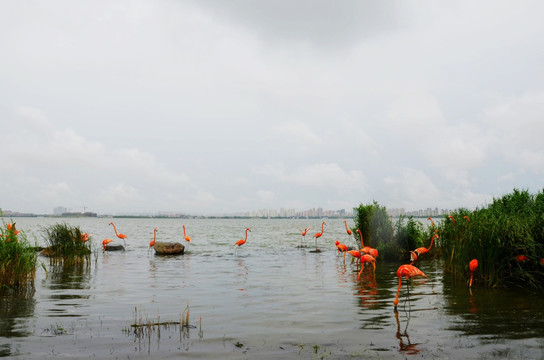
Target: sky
219,107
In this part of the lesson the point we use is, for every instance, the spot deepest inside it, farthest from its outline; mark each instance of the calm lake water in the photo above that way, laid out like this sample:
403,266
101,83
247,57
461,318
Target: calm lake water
271,300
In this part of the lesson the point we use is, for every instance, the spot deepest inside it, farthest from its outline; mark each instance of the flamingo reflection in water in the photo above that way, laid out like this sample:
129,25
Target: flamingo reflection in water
409,348
367,288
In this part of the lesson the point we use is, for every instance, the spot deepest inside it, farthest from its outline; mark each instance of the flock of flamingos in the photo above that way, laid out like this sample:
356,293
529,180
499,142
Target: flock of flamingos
363,256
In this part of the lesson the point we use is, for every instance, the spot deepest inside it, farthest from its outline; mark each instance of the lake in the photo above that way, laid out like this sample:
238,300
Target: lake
269,300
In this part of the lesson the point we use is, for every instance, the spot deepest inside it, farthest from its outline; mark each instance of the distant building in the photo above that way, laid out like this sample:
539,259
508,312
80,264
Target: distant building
59,210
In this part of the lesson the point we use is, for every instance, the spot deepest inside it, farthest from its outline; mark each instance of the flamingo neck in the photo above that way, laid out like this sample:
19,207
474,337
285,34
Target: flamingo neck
114,229
430,246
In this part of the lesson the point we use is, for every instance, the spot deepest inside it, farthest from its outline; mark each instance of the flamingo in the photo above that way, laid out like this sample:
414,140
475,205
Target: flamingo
347,229
365,249
521,258
406,271
165,248
120,236
341,248
466,218
432,222
473,265
84,237
366,259
452,219
187,238
318,235
357,255
422,250
241,241
303,233
105,243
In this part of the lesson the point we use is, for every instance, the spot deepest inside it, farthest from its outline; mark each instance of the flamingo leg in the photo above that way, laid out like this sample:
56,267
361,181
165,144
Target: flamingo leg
396,302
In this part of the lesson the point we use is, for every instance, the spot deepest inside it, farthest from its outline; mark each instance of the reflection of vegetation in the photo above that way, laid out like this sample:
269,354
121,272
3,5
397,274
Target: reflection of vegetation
393,241
507,238
16,303
17,258
70,275
66,244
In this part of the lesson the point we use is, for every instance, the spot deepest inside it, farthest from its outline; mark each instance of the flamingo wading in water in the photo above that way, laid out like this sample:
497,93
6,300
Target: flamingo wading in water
187,238
318,235
303,233
120,236
472,265
422,250
241,241
406,271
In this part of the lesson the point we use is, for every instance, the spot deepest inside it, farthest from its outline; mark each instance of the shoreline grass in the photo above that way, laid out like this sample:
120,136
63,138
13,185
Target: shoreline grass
17,258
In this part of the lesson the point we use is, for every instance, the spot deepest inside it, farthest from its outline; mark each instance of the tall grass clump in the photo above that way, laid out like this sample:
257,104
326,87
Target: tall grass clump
17,258
392,240
66,244
507,238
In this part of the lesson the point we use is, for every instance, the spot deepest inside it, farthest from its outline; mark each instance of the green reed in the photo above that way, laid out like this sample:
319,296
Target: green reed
510,226
66,244
17,258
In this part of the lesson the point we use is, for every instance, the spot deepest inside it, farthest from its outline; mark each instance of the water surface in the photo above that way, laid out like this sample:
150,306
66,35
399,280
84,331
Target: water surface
270,300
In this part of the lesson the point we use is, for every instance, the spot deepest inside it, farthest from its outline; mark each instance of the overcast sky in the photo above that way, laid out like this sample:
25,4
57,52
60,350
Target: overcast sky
208,107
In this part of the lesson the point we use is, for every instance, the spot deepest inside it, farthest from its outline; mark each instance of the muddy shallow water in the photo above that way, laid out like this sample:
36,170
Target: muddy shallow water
271,300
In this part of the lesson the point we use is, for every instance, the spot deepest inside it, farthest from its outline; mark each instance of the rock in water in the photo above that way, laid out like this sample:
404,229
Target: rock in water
168,248
114,248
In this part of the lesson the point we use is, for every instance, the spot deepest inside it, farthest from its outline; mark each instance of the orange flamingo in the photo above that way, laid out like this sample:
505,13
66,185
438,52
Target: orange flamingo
521,258
342,248
187,238
318,235
120,236
347,229
422,250
366,259
466,218
105,243
452,219
432,222
472,265
241,241
84,237
303,233
365,249
406,271
357,255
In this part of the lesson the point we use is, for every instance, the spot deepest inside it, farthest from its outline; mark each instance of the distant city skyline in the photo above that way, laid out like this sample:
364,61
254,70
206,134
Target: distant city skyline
318,212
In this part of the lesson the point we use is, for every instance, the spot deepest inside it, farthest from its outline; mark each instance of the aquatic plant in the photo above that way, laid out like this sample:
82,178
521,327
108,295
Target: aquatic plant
66,243
507,239
17,258
144,327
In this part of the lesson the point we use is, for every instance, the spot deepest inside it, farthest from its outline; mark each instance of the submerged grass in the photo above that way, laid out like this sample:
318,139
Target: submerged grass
507,238
144,328
17,258
67,244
